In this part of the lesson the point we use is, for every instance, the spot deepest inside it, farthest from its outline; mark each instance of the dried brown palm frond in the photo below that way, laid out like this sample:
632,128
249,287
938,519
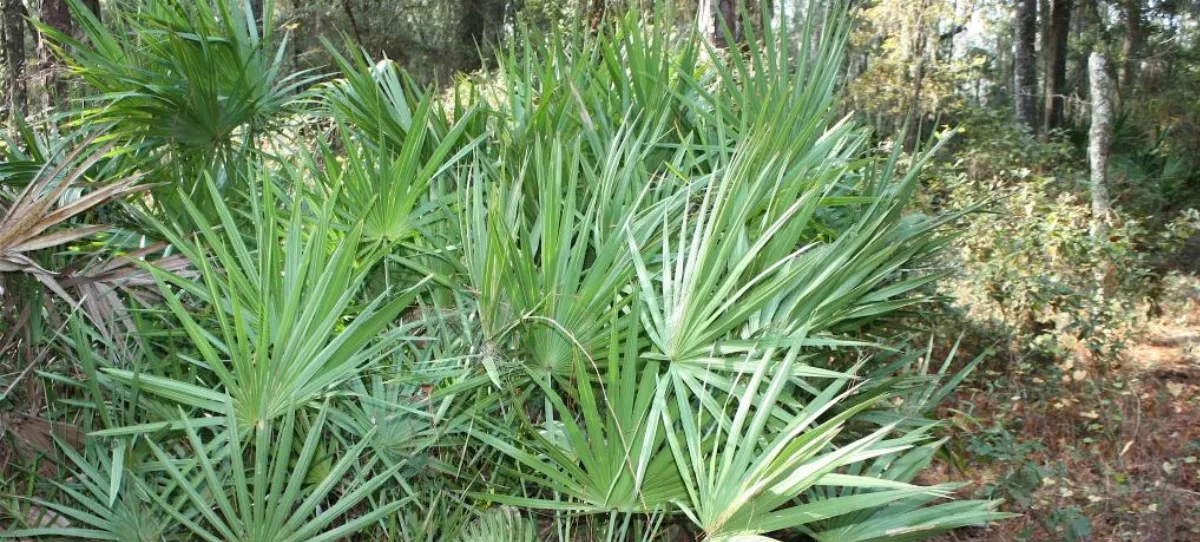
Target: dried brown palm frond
26,435
24,438
30,223
35,435
100,285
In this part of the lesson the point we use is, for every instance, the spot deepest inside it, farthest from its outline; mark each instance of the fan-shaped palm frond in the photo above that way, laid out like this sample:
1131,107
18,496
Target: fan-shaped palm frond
105,505
180,82
634,289
500,524
280,305
743,472
212,496
607,451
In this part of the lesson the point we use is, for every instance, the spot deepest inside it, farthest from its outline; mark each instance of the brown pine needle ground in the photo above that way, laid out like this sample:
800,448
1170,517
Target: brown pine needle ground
1098,457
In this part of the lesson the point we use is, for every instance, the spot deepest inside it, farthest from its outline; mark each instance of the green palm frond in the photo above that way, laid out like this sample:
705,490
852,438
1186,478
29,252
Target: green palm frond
743,471
625,287
284,325
915,517
500,524
257,487
607,452
103,503
399,141
182,82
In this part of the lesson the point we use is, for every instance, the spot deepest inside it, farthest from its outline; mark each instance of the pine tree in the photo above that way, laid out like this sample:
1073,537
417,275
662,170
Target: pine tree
15,89
1025,82
1056,62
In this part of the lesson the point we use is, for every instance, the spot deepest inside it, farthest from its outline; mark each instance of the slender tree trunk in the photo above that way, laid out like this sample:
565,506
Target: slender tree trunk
358,38
1056,62
914,104
480,24
14,58
1043,14
596,11
52,87
756,13
1131,12
94,7
1085,19
705,15
1043,46
725,17
917,60
1025,69
1098,141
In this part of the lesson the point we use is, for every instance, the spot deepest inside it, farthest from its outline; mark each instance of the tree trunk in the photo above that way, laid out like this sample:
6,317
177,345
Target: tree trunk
914,105
755,14
94,7
480,23
596,11
1085,22
1131,11
14,58
1056,62
1098,141
917,59
1043,11
52,87
358,37
704,18
1025,69
725,18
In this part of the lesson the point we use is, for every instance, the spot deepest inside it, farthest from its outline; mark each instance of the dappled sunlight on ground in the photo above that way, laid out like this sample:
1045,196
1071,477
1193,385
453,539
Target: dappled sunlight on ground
1113,456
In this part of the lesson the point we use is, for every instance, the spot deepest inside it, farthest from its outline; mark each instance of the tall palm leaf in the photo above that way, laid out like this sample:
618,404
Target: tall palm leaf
282,306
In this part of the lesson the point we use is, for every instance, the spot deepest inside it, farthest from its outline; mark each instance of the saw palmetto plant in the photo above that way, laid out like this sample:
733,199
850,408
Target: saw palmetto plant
633,288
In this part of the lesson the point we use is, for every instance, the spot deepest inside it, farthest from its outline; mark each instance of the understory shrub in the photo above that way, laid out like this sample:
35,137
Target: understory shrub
1030,273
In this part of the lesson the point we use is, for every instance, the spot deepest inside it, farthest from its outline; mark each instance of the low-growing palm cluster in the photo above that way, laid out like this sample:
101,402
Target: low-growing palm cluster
625,287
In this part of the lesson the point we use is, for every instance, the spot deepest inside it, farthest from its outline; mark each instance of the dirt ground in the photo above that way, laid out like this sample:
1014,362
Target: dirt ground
1097,455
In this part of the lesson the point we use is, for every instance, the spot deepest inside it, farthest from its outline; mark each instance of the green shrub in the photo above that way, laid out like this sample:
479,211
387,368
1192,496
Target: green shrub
1029,271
